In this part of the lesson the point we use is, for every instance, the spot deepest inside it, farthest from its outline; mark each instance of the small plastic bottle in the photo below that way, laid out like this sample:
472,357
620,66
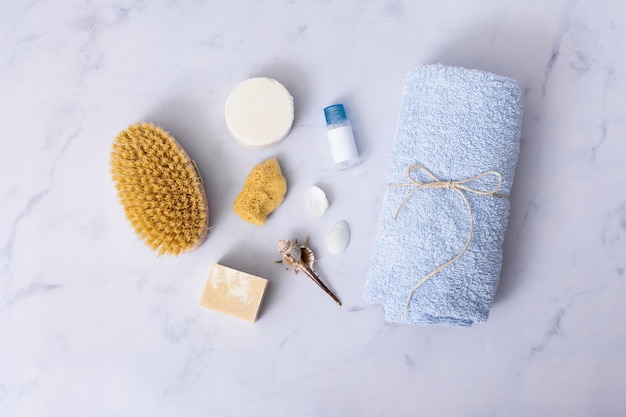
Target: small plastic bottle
340,138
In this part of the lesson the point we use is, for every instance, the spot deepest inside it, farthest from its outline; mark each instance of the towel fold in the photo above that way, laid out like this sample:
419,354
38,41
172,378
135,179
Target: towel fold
456,123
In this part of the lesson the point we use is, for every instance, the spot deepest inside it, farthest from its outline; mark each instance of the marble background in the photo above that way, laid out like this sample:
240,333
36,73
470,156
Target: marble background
94,324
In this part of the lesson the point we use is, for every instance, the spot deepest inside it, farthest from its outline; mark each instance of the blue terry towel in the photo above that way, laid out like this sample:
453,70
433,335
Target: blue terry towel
454,124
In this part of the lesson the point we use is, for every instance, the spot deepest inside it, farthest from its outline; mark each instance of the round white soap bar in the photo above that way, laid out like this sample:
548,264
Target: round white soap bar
259,112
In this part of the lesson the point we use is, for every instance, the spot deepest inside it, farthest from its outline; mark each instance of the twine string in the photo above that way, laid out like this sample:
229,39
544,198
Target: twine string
459,187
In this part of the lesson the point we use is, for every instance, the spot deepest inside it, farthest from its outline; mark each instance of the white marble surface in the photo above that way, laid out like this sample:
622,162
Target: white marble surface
94,324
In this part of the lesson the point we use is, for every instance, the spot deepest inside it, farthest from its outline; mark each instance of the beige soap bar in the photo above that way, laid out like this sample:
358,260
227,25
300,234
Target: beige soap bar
234,293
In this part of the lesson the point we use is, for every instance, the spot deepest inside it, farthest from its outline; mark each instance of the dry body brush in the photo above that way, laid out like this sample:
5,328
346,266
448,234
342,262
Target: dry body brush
160,189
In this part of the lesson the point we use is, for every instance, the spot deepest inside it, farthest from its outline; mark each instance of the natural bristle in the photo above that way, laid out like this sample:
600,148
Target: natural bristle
160,189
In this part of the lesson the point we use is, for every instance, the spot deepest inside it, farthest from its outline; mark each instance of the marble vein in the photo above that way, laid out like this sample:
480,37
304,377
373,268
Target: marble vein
604,122
553,332
7,249
563,29
32,290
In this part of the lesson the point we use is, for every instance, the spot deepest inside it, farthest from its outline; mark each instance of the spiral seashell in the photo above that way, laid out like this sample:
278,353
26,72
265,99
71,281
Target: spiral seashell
289,248
300,257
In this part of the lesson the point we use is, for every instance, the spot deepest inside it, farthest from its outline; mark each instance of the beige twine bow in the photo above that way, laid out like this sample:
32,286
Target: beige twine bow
457,186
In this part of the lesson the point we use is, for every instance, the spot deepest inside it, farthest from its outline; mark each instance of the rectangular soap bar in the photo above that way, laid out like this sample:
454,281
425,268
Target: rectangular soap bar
234,293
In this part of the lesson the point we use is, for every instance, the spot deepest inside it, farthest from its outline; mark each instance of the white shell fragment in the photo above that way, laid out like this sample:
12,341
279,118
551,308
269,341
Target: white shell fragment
316,201
337,238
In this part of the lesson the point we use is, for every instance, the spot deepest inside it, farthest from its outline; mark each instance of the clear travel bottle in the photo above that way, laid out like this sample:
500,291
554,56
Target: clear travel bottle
340,138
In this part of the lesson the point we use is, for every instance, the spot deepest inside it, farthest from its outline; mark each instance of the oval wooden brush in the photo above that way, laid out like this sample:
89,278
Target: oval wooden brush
160,189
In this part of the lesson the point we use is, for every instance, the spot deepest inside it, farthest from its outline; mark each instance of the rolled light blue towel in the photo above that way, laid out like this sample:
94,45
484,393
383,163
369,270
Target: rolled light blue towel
455,123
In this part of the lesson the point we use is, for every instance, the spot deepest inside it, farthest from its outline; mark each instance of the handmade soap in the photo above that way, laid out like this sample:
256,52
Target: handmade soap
233,292
259,112
263,191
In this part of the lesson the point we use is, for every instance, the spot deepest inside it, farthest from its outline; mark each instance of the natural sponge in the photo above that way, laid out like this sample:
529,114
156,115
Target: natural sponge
160,189
263,191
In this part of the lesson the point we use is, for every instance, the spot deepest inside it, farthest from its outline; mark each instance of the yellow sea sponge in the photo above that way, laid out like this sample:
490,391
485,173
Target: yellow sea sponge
263,191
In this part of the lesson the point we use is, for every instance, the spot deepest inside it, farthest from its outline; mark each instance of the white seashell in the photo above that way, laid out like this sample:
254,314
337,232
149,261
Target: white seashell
337,238
316,201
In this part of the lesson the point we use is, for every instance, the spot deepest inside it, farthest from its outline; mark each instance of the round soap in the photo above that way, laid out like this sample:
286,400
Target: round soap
259,112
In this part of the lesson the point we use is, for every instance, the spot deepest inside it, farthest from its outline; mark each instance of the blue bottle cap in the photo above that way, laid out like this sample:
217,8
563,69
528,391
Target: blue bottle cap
335,114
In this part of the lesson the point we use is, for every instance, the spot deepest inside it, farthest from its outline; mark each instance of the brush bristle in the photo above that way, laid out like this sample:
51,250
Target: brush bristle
160,189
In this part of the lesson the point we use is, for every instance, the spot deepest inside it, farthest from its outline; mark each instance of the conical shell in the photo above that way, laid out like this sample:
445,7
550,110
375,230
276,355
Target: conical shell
289,248
337,238
316,201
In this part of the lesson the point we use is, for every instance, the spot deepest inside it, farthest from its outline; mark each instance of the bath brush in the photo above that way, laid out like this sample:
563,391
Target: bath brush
160,189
